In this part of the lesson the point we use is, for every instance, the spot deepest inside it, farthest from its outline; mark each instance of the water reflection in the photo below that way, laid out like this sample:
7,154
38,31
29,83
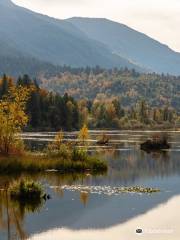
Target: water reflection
160,223
84,197
69,214
12,213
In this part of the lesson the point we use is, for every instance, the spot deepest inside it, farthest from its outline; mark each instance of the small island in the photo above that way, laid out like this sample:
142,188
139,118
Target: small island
104,140
155,144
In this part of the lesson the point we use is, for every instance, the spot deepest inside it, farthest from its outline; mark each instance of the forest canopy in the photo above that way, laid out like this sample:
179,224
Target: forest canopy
128,85
125,100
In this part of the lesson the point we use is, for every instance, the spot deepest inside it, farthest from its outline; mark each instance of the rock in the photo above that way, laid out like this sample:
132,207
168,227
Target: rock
46,196
151,145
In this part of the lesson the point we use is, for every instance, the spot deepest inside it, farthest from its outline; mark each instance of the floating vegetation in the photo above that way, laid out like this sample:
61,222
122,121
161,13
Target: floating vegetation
26,190
25,195
109,190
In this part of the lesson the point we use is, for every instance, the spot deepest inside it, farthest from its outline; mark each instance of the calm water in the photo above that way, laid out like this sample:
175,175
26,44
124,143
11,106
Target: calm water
84,207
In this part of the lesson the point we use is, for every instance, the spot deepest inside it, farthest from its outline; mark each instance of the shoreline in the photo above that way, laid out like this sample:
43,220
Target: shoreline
32,163
150,129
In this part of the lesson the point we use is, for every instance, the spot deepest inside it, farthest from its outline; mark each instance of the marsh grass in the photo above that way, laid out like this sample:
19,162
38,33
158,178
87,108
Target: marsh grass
63,157
36,163
26,190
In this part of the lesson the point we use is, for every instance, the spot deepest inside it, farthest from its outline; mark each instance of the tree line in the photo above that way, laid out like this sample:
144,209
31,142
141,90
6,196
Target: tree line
157,89
46,110
51,111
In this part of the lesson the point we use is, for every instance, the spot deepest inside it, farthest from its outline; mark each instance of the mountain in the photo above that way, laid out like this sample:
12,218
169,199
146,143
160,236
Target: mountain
15,63
35,36
34,43
130,44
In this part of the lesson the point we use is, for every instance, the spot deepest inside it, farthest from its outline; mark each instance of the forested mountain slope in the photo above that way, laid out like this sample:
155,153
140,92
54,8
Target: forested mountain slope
130,44
50,40
129,86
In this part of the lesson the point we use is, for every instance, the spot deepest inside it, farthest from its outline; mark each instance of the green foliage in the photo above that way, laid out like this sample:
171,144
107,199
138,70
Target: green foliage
67,151
25,190
121,99
33,164
106,115
63,152
59,156
46,110
49,111
59,149
79,154
5,84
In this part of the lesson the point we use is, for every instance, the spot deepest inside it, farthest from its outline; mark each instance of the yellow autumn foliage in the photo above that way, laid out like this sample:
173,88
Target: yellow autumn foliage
58,141
12,118
83,134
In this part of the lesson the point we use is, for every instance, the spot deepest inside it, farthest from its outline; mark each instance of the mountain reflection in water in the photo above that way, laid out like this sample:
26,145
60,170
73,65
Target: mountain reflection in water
82,215
161,223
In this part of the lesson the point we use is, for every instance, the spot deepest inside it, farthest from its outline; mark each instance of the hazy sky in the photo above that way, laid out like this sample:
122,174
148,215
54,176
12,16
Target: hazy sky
159,19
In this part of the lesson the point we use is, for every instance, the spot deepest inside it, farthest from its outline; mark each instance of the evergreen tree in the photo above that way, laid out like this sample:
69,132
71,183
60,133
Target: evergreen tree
4,85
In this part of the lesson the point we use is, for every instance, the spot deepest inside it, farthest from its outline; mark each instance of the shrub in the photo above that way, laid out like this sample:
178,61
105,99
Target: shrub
63,152
58,141
96,165
26,190
59,149
83,134
79,154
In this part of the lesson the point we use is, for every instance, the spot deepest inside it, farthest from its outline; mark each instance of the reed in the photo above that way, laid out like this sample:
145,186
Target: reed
37,163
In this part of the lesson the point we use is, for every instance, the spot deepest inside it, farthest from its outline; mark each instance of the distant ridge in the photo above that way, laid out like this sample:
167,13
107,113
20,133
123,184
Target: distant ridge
50,40
130,44
76,42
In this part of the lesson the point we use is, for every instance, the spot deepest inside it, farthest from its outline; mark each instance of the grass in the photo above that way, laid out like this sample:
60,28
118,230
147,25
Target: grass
37,163
26,190
26,196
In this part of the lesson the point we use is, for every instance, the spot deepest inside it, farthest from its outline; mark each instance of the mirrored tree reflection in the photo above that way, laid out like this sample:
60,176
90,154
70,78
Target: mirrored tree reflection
84,197
12,214
127,165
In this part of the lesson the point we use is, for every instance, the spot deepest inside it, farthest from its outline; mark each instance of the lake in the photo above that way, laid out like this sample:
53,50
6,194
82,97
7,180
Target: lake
86,207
